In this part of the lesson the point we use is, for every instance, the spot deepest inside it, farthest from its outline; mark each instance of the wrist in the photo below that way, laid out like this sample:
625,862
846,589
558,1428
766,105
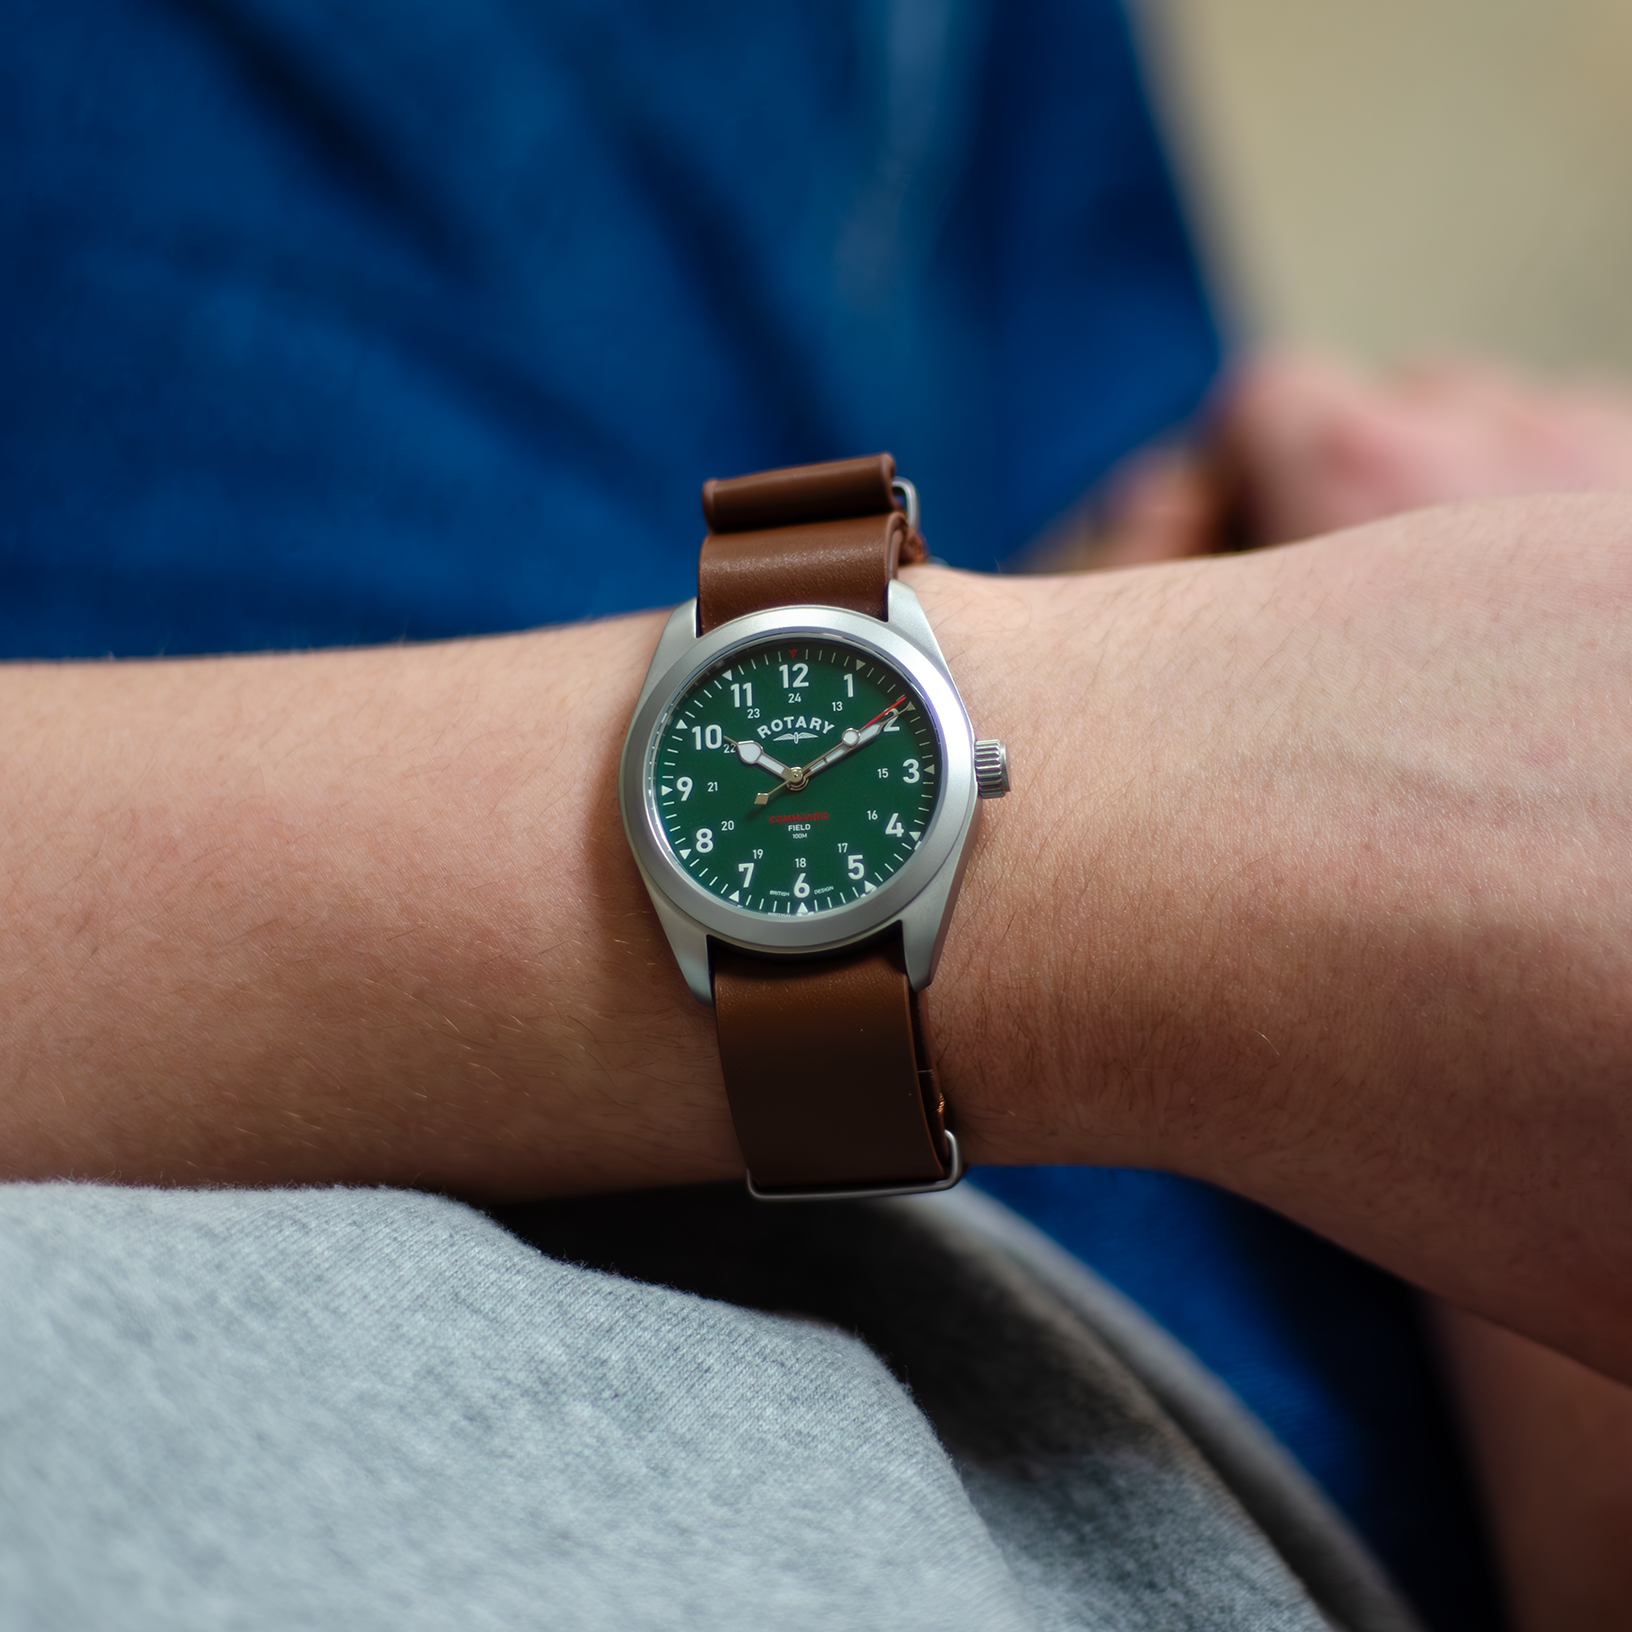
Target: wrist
1119,988
1042,1008
1314,886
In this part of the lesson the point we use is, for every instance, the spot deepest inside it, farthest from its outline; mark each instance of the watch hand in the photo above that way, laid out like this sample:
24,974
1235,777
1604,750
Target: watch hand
796,776
879,718
850,739
750,753
854,738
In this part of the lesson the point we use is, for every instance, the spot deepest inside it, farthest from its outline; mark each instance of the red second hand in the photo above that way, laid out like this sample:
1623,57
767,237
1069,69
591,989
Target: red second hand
883,711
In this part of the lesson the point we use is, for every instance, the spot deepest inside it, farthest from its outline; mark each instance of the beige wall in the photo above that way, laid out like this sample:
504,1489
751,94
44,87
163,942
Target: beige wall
1387,175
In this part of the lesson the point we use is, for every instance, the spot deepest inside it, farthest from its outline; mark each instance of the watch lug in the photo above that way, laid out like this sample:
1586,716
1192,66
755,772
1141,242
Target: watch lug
678,633
925,920
906,617
689,943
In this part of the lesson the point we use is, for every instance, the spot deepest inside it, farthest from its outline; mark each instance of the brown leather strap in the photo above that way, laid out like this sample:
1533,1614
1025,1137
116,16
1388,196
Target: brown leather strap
774,498
823,535
827,1070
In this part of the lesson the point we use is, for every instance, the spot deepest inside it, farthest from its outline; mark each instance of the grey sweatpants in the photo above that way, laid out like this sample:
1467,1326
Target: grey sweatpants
373,1409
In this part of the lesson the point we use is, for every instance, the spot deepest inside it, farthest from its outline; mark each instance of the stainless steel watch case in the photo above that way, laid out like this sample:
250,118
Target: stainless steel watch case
920,896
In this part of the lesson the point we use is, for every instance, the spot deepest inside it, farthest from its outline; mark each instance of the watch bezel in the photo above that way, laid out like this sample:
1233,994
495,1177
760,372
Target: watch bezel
842,926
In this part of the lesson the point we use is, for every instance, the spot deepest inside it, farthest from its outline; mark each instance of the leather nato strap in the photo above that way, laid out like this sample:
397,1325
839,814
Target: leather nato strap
826,1064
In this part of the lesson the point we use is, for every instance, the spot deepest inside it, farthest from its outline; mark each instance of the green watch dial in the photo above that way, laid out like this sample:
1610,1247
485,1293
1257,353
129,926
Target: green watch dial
796,778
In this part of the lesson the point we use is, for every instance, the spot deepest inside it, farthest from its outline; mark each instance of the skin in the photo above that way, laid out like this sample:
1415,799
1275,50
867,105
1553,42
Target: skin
1304,445
1318,444
1298,444
1315,883
1552,1441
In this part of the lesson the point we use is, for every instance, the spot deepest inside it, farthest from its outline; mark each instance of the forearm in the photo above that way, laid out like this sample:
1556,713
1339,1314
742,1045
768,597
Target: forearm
355,916
1314,882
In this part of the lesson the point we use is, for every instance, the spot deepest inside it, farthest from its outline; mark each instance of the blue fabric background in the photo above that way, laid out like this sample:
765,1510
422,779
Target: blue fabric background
330,321
351,320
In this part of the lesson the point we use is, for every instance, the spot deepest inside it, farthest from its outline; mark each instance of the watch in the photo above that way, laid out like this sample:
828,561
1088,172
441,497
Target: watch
800,786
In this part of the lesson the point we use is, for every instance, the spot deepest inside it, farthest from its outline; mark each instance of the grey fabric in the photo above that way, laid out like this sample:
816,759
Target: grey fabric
1309,1533
368,1408
1108,1515
364,1409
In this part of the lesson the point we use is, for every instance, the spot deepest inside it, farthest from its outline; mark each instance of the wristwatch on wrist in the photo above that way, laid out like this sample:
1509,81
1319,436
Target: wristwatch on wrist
800,786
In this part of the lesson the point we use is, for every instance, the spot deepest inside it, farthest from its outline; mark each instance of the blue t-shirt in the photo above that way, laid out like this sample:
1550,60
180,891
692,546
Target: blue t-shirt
355,320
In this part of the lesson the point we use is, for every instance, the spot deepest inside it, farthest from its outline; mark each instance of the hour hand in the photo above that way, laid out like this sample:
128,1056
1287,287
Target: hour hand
750,753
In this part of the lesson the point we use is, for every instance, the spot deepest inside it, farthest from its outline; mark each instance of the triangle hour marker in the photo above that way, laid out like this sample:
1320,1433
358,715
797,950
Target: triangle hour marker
685,855
803,909
736,895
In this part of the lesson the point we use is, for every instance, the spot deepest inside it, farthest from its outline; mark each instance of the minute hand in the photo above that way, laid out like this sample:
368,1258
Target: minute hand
853,739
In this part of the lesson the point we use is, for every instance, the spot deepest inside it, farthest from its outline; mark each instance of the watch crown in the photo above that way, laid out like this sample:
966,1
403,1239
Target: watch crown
991,768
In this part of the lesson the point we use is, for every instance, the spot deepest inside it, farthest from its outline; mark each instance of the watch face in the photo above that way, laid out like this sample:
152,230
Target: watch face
796,778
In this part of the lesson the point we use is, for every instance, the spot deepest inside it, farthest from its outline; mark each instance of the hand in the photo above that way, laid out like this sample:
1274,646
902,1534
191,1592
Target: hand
1317,445
796,776
852,738
750,753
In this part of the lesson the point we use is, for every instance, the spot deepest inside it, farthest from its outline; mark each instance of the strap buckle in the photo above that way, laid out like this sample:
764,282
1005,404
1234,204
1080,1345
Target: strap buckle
908,495
860,1192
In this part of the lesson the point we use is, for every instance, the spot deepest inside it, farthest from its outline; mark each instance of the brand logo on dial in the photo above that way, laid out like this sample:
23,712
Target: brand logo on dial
796,728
